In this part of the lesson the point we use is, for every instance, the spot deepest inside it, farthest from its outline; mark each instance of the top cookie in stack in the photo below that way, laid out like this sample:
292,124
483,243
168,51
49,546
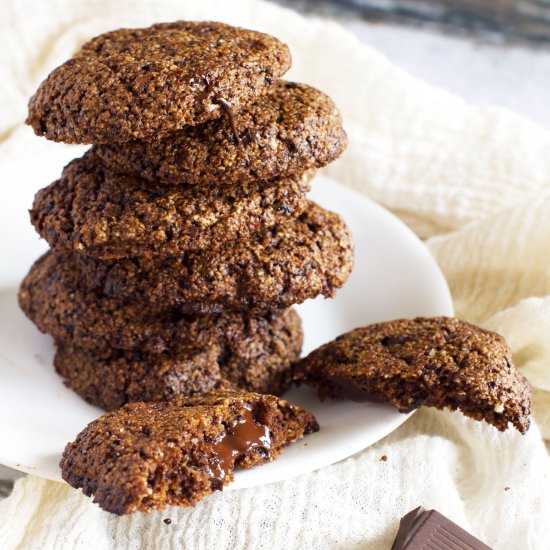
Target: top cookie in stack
145,83
180,238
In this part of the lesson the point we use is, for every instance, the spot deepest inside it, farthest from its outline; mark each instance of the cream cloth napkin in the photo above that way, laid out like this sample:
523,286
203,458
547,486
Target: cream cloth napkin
474,182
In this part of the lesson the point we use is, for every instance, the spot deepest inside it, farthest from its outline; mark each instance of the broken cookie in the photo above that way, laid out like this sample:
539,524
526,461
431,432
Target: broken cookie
147,456
437,362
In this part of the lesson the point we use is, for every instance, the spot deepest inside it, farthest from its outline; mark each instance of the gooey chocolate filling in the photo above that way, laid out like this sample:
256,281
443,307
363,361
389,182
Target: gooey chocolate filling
241,437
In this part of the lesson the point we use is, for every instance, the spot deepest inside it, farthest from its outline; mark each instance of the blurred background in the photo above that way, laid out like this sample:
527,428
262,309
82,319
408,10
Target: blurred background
487,51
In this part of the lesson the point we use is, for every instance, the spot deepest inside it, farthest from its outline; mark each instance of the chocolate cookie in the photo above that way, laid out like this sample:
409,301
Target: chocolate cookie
149,455
106,215
56,298
144,83
290,128
436,362
111,378
283,265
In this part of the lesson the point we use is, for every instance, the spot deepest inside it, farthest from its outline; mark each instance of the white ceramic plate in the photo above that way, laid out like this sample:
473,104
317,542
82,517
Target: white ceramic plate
395,276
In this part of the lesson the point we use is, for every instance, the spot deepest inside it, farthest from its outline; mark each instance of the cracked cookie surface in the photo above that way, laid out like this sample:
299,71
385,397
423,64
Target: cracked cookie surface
289,129
280,266
144,83
437,362
111,378
56,298
107,215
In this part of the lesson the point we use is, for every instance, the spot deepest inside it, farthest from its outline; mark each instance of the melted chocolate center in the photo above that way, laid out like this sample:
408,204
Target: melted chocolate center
205,94
240,438
229,110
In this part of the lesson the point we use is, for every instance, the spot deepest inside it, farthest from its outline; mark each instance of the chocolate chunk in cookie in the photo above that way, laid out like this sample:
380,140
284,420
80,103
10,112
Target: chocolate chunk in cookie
111,378
56,298
144,83
106,215
291,128
436,362
280,266
147,456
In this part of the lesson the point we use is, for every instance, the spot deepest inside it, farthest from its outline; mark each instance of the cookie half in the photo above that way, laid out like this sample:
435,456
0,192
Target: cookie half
289,129
143,83
436,362
147,456
111,378
107,216
56,298
280,266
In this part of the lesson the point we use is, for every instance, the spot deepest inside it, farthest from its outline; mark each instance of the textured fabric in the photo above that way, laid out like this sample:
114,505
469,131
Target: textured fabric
474,182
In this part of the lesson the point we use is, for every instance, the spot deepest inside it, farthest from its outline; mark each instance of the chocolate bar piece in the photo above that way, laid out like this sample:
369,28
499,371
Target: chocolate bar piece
423,529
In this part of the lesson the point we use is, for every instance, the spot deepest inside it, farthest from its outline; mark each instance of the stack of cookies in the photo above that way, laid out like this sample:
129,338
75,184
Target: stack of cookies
180,240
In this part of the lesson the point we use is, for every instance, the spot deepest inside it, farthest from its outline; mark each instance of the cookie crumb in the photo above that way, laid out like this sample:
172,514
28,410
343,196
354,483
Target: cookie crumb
168,521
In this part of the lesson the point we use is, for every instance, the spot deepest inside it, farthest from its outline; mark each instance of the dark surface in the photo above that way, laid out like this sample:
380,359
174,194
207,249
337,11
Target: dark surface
426,529
526,21
6,487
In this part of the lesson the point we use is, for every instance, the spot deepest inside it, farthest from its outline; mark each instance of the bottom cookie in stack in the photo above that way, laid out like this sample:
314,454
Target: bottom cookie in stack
259,362
113,351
